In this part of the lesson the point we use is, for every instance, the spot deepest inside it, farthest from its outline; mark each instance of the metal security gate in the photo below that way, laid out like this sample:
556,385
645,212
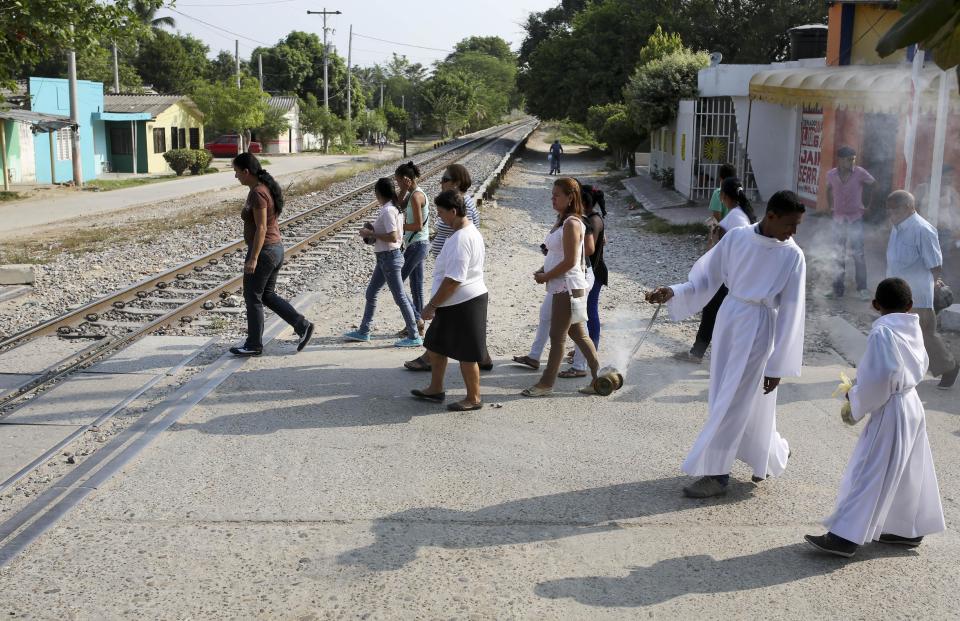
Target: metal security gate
716,143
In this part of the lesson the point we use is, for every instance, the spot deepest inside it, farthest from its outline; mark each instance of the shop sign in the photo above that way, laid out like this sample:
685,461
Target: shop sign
811,137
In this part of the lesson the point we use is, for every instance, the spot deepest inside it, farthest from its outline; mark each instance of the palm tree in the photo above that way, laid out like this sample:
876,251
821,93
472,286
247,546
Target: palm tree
146,11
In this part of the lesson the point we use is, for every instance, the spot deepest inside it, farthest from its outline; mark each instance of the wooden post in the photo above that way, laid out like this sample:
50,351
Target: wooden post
3,154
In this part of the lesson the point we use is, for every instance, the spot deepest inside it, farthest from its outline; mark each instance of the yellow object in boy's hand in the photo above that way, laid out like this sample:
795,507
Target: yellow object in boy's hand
846,414
843,387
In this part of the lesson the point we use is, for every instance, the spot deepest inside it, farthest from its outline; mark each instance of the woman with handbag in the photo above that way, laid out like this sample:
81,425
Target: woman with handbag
564,273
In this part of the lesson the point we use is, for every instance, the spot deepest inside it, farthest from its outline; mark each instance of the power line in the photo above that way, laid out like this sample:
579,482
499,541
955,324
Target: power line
422,47
217,27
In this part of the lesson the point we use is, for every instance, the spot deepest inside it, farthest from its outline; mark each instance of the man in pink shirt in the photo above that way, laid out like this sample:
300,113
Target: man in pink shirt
847,199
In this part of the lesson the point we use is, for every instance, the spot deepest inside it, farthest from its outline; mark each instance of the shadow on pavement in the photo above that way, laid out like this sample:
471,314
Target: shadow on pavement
675,577
542,518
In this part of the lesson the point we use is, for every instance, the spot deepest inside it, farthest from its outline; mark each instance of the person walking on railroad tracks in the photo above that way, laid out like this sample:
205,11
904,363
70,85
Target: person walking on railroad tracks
564,272
381,142
455,177
848,191
264,256
386,234
416,236
889,491
913,254
457,309
555,150
758,340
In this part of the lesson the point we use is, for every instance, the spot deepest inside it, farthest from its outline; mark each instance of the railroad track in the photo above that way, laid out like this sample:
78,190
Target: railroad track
177,296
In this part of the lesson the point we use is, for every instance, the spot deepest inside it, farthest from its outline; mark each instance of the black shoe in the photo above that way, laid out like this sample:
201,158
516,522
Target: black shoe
437,397
897,540
948,379
305,337
245,351
831,544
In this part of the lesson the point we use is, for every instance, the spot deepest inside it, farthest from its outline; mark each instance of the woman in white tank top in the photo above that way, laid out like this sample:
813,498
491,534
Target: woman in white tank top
564,273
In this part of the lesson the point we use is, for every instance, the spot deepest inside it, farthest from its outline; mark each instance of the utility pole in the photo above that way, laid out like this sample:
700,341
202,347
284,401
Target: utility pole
260,69
326,91
381,95
236,58
116,71
403,105
74,118
349,54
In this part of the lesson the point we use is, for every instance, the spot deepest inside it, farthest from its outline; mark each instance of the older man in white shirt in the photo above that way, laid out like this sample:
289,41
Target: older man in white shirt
913,254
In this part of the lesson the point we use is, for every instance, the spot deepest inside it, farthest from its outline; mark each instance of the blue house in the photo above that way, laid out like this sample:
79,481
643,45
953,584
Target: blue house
52,96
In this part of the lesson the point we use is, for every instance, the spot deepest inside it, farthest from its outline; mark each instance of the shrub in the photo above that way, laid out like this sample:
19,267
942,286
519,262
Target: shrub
180,159
201,159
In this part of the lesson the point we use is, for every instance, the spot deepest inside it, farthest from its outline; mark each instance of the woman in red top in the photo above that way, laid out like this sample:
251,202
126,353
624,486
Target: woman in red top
264,256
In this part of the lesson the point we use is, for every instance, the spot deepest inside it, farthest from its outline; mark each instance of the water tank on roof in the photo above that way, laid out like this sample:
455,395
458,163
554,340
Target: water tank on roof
809,41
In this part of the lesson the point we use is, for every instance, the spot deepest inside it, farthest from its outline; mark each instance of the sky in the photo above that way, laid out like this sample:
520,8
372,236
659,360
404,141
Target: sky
437,24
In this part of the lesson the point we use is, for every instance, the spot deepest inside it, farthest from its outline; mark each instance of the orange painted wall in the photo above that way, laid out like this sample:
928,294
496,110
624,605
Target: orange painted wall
833,34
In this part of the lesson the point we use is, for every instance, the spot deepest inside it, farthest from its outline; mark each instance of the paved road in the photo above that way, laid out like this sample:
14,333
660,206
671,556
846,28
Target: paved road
21,216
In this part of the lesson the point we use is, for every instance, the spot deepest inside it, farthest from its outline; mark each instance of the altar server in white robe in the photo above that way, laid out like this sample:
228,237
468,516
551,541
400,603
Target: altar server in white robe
889,490
757,340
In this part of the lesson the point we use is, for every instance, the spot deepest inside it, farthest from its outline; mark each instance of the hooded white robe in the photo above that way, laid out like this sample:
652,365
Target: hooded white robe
889,486
758,333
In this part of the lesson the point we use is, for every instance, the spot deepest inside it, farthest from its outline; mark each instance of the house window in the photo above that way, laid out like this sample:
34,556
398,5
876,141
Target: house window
159,140
64,138
194,137
174,143
121,141
182,139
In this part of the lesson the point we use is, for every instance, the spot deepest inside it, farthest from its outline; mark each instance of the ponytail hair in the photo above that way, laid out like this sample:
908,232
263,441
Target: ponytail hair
732,188
593,197
385,188
250,163
408,170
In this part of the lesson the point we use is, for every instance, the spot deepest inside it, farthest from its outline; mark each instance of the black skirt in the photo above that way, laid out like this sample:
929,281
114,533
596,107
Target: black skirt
459,331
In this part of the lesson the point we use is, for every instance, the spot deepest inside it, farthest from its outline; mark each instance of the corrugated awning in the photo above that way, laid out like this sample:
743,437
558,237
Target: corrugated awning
876,88
39,121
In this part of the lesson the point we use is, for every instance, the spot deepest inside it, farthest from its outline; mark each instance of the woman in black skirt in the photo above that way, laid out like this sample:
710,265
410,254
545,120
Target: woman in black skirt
457,306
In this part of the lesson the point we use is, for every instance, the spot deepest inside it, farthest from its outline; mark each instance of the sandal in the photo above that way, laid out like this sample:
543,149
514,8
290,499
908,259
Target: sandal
527,361
536,391
434,398
417,364
571,373
461,406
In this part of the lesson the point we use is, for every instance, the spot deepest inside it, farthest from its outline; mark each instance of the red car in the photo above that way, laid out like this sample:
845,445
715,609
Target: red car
226,146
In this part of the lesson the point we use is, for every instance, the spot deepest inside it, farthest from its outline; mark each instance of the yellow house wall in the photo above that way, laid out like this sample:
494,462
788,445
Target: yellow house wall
177,115
870,23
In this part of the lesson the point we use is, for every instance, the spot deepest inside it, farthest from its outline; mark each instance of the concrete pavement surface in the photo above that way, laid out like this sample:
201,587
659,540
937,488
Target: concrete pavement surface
311,486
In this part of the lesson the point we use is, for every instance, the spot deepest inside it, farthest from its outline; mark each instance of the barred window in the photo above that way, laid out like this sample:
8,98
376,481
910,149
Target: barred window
64,138
159,140
121,141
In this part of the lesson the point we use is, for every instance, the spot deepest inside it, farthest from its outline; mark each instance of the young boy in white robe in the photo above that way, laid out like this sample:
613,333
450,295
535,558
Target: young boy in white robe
757,340
889,490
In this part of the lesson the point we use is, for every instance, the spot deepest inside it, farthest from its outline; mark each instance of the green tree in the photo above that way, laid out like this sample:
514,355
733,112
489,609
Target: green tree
96,64
35,31
496,73
935,24
657,87
452,100
611,124
371,123
397,118
274,123
316,119
146,12
489,46
228,108
222,68
660,44
170,62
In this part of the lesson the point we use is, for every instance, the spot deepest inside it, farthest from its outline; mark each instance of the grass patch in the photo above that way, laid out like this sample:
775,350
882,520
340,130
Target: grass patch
318,184
19,254
9,196
264,161
106,185
659,226
569,132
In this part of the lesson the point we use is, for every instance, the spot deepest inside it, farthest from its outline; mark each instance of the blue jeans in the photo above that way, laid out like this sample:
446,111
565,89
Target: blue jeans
387,270
259,290
593,325
849,233
413,258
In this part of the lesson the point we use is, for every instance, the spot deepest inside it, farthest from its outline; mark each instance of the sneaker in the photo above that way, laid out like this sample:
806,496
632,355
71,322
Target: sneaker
831,544
948,379
705,487
245,351
357,336
865,295
417,342
897,540
305,337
